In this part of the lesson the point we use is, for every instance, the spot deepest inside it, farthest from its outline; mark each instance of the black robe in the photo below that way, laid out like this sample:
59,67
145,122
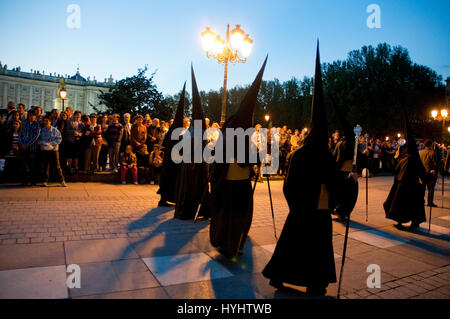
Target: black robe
405,201
231,211
191,190
304,253
169,171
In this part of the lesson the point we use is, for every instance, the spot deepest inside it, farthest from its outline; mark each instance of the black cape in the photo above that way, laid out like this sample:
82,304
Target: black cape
232,200
192,188
405,201
169,169
304,254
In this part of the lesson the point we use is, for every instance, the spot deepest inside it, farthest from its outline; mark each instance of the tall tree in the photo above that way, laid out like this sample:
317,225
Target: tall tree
136,95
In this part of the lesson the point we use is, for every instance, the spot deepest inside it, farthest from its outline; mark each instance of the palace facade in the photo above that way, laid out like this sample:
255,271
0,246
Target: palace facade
38,89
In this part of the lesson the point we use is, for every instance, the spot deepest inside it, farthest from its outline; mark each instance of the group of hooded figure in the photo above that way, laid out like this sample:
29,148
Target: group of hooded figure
317,185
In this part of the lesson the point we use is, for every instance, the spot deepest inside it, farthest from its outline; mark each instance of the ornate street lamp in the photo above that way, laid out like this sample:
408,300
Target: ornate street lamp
62,92
236,48
442,117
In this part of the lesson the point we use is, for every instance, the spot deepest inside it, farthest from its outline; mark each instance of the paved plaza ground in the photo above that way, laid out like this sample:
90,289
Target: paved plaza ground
127,247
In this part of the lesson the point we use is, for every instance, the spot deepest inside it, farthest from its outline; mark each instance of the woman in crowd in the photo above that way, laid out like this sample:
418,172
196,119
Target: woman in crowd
92,152
138,133
103,155
156,161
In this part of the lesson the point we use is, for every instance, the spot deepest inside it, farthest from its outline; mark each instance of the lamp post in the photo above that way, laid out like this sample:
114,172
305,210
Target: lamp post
236,48
62,95
441,117
62,91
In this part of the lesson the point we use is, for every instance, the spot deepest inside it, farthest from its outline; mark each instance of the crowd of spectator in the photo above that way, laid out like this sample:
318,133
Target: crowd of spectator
70,142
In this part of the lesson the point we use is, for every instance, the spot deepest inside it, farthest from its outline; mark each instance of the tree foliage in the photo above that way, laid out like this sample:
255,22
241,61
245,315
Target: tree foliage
136,95
371,86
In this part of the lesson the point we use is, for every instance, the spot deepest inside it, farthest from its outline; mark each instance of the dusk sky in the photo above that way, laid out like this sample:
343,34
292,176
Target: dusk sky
118,37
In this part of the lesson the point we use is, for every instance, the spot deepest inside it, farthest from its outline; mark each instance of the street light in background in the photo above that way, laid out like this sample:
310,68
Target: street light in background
62,91
441,117
236,48
267,118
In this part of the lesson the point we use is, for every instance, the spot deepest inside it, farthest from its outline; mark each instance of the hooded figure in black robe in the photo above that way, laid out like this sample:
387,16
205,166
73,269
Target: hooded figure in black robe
192,179
405,201
304,254
169,169
344,152
231,189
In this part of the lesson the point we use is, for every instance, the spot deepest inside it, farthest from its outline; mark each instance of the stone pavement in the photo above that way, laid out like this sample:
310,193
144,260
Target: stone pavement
127,247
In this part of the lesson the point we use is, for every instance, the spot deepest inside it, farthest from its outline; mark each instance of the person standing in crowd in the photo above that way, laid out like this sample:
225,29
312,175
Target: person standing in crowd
54,116
13,148
85,139
10,108
284,148
12,158
430,161
164,129
128,162
388,157
156,162
143,164
71,137
304,253
231,187
126,137
138,133
15,116
28,141
21,110
103,155
114,135
147,120
153,133
39,115
405,201
69,112
93,147
61,124
49,140
362,160
295,140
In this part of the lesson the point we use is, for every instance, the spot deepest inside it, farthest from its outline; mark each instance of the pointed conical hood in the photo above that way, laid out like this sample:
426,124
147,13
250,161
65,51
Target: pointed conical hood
179,115
244,115
197,111
177,122
318,135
